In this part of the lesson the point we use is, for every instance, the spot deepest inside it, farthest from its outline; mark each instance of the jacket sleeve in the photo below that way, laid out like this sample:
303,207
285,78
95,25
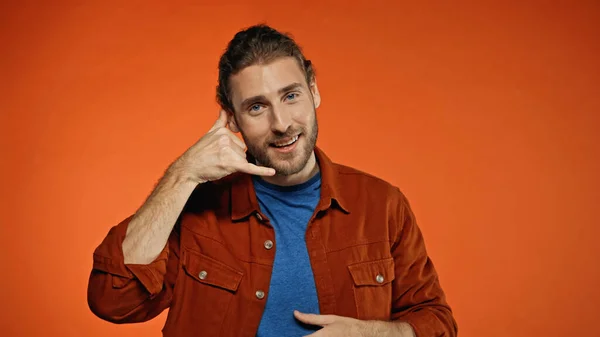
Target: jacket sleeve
128,293
418,298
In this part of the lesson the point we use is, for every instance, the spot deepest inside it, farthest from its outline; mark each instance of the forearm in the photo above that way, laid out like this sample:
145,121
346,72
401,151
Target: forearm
150,227
130,293
418,298
388,329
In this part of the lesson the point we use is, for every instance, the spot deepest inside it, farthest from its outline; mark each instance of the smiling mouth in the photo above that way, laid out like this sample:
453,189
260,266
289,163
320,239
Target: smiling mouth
285,142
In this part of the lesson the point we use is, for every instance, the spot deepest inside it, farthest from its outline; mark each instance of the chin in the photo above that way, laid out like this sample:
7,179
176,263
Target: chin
293,165
287,168
288,163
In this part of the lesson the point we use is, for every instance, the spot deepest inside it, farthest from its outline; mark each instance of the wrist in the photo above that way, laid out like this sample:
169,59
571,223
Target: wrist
178,174
177,180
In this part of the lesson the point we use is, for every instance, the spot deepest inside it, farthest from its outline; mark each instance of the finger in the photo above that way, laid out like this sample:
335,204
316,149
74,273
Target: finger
313,319
238,150
256,170
221,121
226,137
237,141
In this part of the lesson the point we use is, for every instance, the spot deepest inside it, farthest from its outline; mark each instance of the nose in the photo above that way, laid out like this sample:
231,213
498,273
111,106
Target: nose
281,120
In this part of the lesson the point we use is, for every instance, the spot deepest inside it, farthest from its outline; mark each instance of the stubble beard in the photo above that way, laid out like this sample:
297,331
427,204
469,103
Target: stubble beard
286,164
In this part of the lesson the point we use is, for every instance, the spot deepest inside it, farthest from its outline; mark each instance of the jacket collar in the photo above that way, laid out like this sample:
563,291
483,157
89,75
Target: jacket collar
245,203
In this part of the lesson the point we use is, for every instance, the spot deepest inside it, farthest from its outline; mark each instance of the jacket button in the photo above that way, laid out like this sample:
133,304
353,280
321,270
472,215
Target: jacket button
202,275
379,278
268,244
260,294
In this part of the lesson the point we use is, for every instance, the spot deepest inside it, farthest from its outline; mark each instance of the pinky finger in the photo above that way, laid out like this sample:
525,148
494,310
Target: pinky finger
257,170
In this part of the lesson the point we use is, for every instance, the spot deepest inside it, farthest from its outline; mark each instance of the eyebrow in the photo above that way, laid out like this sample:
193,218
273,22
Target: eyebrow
281,91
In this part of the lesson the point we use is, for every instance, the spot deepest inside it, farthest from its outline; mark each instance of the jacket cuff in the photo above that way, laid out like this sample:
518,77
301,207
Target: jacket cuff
151,276
108,257
426,323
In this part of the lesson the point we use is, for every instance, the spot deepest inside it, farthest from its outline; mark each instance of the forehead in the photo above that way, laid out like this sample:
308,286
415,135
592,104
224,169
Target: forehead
265,79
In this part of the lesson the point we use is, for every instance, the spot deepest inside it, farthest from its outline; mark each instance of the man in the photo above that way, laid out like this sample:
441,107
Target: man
275,239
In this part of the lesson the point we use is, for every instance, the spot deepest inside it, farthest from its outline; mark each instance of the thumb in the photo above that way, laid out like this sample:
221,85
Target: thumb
221,121
313,319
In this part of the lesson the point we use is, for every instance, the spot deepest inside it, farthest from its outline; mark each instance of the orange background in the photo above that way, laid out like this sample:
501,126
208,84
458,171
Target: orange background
486,115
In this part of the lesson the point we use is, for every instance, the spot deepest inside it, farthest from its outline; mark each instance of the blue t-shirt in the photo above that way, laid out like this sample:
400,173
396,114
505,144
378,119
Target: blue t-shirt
289,208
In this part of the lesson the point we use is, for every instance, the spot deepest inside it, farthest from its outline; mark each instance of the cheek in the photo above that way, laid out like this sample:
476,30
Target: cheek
256,130
302,113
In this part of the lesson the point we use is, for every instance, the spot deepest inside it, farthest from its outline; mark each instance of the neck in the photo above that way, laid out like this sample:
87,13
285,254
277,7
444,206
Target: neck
310,169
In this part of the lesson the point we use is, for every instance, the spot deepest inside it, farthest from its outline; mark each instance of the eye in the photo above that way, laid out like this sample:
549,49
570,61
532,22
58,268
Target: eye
291,96
255,107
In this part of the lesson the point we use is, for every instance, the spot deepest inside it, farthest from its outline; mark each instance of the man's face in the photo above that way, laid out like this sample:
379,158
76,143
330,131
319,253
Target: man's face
275,113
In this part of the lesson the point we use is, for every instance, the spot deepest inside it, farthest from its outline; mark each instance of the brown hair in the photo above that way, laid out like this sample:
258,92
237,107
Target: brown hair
258,44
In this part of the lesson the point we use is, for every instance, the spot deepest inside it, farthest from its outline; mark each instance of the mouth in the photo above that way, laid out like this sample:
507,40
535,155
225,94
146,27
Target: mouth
287,143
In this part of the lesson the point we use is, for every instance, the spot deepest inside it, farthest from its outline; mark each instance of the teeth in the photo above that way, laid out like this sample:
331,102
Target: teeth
292,141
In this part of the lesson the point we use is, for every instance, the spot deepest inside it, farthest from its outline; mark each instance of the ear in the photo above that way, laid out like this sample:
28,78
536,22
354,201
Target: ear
315,92
231,122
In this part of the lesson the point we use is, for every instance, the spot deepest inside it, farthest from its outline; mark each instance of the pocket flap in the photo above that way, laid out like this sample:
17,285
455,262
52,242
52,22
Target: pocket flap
210,271
373,273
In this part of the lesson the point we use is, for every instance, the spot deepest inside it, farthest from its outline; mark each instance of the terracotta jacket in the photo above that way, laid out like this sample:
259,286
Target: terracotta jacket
366,251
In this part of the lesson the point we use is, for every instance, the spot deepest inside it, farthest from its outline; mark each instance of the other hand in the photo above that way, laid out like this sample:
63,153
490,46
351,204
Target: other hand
217,154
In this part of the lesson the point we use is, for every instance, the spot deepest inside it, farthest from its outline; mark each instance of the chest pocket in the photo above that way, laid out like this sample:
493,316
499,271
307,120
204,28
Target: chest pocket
372,285
202,296
211,272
